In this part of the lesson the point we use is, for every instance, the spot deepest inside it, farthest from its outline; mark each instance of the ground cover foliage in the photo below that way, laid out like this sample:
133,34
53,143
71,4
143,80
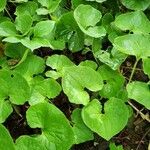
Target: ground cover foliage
73,71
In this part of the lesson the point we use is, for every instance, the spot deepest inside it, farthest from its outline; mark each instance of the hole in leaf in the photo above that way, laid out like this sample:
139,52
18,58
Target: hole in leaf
34,75
0,67
105,82
6,98
12,75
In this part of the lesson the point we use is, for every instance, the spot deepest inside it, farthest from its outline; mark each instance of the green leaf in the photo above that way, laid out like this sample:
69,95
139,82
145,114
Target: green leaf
15,87
75,79
81,131
140,92
33,65
146,66
53,123
42,11
89,63
23,23
26,8
114,82
58,62
7,28
6,142
136,22
136,4
53,74
2,5
36,143
43,28
112,146
113,59
88,25
50,4
134,44
68,29
15,50
108,124
48,88
99,1
36,43
5,110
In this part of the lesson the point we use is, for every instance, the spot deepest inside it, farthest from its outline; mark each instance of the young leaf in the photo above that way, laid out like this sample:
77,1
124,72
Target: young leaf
23,23
6,142
136,22
53,123
81,131
134,44
88,25
108,124
43,28
75,79
2,5
140,92
136,4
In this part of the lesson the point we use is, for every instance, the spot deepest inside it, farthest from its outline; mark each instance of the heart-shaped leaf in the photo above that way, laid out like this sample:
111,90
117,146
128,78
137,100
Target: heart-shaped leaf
56,130
134,44
140,92
110,123
75,79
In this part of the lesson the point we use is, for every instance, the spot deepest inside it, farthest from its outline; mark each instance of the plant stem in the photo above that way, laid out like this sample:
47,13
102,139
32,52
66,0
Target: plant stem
144,116
133,70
